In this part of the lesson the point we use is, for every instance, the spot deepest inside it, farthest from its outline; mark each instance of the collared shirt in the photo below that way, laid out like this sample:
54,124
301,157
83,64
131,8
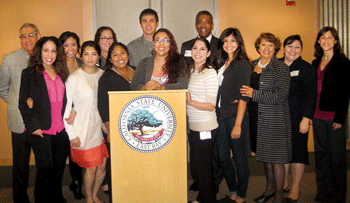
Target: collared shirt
208,38
139,49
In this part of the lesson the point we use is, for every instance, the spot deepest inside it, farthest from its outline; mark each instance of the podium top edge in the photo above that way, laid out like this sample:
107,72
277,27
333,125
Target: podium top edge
147,92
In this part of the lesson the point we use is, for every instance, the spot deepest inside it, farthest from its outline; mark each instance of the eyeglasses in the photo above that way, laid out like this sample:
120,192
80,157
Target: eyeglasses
30,35
165,40
106,38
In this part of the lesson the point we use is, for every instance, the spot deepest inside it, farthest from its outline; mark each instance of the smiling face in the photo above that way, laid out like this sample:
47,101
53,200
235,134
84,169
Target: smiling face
266,49
90,56
119,57
161,47
106,40
28,38
70,47
204,25
199,53
327,41
48,54
230,45
149,24
292,51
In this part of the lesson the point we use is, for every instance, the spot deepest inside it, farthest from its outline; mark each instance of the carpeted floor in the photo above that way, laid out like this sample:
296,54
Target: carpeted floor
255,188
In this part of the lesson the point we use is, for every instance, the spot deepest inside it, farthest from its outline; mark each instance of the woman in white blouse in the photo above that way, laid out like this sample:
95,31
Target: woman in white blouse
201,99
88,149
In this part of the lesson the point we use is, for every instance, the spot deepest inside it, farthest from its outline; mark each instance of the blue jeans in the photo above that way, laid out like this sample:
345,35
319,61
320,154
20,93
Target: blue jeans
237,185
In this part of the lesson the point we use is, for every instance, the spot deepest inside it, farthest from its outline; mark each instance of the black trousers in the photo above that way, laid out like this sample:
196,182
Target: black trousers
330,157
20,169
201,152
51,153
76,172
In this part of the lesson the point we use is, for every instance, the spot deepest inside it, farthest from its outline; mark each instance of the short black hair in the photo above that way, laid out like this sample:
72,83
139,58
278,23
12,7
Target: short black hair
289,40
149,11
205,13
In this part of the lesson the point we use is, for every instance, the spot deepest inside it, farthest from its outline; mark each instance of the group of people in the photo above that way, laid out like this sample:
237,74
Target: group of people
57,95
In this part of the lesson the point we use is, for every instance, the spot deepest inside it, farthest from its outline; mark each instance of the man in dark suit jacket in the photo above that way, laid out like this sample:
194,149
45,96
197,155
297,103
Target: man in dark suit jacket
204,25
10,80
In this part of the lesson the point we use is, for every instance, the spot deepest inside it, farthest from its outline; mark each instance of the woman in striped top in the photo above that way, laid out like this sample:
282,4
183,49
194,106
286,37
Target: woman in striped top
273,119
201,99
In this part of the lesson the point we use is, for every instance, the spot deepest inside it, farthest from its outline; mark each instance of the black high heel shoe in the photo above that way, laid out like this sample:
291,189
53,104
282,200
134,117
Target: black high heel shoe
76,189
264,198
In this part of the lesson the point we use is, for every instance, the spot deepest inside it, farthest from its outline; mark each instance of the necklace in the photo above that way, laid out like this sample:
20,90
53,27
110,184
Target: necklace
262,66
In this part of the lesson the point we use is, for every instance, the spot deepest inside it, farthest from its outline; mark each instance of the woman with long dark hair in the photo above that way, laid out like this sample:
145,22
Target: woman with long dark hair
71,46
233,72
88,148
167,69
201,100
333,70
43,82
104,38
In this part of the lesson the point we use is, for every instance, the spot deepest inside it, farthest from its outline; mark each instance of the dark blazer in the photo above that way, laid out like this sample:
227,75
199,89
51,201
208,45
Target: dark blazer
303,90
188,46
39,117
236,74
335,87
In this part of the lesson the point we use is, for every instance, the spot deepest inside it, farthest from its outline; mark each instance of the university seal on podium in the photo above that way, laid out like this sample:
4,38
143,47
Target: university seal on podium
147,124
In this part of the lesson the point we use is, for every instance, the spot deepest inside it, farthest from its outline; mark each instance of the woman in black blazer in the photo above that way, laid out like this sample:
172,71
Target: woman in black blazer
273,131
302,103
71,46
43,82
233,132
333,70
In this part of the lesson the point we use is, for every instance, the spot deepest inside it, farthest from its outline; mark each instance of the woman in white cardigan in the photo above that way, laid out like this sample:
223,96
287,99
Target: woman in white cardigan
88,149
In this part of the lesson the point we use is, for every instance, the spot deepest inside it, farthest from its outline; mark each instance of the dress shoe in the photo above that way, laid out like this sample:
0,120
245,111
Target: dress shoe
227,199
320,199
290,200
264,198
76,189
194,186
286,190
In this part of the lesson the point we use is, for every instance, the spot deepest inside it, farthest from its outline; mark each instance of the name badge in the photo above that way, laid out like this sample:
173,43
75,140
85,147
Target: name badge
188,53
294,73
204,135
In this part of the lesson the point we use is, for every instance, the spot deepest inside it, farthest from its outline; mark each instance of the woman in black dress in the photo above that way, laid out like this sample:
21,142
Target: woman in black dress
302,103
117,77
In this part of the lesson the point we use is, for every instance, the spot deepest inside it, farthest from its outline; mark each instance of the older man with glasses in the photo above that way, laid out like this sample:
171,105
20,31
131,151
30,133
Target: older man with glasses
10,81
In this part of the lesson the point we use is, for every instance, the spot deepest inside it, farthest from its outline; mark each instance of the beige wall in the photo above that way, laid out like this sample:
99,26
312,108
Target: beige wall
52,18
253,17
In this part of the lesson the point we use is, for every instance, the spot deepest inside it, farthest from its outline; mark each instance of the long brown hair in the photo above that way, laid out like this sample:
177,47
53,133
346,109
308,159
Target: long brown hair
35,64
175,65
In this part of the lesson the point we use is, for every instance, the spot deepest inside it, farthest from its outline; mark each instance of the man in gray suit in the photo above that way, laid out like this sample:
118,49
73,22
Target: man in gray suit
10,81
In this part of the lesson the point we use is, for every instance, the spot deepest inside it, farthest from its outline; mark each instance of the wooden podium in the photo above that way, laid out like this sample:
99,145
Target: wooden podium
148,146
